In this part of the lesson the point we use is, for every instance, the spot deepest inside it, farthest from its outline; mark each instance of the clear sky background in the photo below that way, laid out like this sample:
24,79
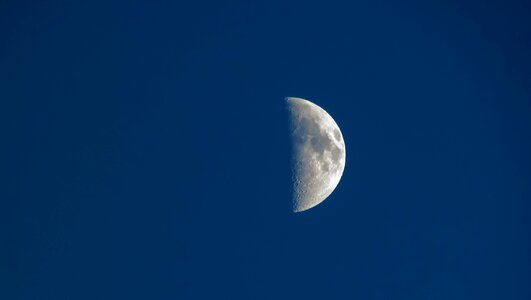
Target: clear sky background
145,149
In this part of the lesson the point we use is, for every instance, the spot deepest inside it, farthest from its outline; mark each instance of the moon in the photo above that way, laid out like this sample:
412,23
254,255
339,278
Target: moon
318,153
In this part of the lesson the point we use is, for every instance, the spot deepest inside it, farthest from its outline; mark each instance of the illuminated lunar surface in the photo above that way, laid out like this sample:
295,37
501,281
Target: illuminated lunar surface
318,157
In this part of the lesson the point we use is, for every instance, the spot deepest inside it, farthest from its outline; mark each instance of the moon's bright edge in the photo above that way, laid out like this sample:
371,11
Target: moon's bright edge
318,153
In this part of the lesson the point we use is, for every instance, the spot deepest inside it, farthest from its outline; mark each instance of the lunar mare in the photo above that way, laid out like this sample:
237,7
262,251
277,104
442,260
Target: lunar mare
318,153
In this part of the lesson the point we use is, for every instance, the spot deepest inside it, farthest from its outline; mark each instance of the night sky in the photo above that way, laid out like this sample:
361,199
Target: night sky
145,149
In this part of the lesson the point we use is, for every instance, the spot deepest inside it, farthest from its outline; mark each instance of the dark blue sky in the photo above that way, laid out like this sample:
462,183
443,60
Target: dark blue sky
145,149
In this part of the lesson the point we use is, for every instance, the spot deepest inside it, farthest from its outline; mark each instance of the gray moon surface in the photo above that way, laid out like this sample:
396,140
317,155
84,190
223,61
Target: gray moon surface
318,153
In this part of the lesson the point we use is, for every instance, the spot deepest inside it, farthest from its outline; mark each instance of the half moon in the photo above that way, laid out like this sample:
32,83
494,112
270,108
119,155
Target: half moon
318,153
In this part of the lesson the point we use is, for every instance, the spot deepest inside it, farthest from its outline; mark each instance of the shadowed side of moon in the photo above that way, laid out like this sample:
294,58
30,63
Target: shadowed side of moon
318,157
